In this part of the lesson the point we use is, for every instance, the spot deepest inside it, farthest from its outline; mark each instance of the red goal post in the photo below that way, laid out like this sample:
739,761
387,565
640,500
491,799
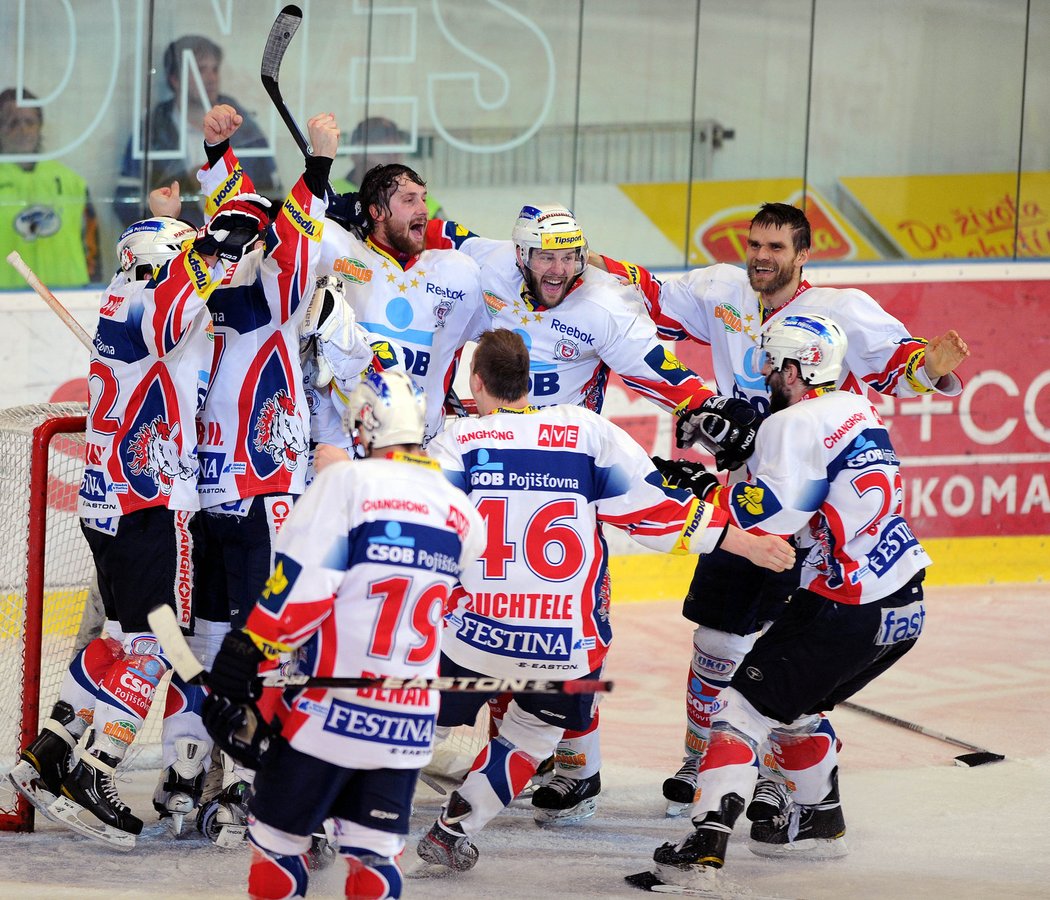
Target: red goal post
45,574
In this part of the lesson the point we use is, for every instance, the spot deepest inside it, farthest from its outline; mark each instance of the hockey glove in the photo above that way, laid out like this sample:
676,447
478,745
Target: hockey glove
342,350
235,672
726,426
237,729
235,227
348,210
680,473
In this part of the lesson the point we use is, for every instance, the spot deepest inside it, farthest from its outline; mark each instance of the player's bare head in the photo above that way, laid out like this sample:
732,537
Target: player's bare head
784,215
386,410
501,362
394,199
20,125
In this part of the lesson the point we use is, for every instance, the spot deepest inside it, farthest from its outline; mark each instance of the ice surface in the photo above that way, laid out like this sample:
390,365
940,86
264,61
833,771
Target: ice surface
917,825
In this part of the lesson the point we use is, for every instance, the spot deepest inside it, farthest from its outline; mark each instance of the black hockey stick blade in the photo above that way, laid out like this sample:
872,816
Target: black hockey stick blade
970,760
281,33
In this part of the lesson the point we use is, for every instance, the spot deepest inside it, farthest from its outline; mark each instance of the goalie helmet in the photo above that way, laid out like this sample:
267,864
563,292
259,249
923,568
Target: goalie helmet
549,227
151,242
386,408
816,343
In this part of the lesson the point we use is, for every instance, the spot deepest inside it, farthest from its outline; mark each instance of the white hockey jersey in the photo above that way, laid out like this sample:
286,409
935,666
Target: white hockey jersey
545,481
429,309
716,305
600,327
150,365
254,428
826,465
363,568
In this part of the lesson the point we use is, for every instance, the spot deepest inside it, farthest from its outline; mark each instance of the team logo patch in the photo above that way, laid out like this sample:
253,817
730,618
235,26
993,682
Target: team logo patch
566,350
279,431
441,312
154,452
750,500
493,303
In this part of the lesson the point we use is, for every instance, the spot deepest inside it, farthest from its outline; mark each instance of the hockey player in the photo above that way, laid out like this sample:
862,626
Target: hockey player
252,432
365,565
724,306
579,326
545,480
149,368
824,466
428,304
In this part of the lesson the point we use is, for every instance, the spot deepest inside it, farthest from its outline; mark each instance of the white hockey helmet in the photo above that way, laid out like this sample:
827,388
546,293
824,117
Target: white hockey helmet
549,227
386,408
816,343
151,242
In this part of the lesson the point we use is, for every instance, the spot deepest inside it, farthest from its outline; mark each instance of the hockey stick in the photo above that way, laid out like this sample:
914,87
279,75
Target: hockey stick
281,33
978,757
166,627
50,299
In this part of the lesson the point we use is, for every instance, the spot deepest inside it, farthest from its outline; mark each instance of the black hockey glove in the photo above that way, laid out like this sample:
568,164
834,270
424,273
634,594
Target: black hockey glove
235,672
681,473
348,210
726,426
235,227
237,729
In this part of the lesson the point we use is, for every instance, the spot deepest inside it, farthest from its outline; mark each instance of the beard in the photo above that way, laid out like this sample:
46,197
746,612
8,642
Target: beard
779,398
777,280
403,242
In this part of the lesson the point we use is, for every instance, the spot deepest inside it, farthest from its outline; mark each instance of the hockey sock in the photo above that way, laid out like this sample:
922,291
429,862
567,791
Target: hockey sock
730,764
505,765
125,696
274,877
80,687
716,655
579,754
806,754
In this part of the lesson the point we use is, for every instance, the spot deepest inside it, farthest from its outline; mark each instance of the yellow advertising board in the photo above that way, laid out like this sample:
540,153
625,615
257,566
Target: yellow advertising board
720,212
956,216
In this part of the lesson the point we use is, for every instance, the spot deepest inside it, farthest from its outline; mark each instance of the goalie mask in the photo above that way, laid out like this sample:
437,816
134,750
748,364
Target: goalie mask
151,243
549,227
386,408
816,343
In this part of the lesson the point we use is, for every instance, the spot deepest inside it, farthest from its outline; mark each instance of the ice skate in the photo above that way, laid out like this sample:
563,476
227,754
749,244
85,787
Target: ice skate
223,820
89,803
771,799
809,831
681,788
566,801
179,791
46,762
685,863
446,844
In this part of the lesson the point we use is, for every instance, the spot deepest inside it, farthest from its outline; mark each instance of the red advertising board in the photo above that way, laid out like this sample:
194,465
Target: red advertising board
973,465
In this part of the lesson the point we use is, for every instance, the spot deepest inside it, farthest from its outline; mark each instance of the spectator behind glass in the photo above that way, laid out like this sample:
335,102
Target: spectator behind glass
368,133
164,135
45,211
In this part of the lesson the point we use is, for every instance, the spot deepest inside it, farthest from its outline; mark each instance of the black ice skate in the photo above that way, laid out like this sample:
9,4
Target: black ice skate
770,800
808,831
680,789
89,803
223,820
179,791
446,844
706,846
566,801
45,762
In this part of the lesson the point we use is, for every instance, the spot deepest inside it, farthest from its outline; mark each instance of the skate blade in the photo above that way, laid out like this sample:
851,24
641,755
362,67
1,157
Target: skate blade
557,818
649,881
68,813
677,810
26,780
812,848
231,836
